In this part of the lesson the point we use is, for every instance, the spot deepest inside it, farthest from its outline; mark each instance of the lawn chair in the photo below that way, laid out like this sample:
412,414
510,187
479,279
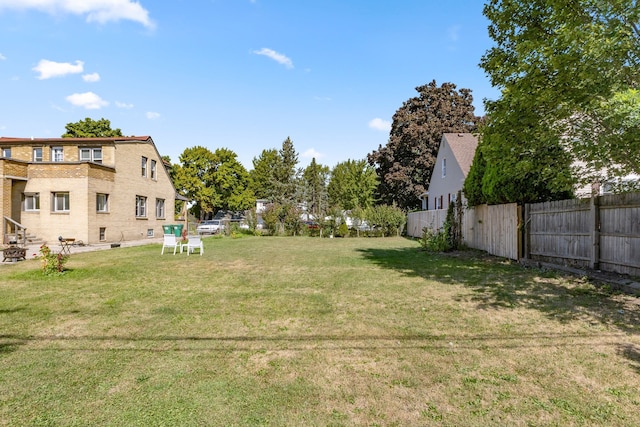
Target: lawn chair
170,241
195,242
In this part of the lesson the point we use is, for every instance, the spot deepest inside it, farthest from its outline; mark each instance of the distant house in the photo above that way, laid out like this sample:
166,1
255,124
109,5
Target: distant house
90,189
455,156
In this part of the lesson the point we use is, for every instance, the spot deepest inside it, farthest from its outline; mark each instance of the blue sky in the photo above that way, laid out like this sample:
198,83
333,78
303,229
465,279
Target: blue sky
239,74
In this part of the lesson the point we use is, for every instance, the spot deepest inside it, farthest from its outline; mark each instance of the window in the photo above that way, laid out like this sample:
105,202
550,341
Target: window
102,202
37,154
144,167
153,170
6,152
31,202
444,168
91,155
150,232
57,154
141,207
103,234
60,202
159,208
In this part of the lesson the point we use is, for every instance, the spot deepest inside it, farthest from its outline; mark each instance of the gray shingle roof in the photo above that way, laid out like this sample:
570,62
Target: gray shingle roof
464,147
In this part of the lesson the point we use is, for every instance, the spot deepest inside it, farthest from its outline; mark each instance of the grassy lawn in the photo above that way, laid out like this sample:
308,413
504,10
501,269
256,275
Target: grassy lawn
304,331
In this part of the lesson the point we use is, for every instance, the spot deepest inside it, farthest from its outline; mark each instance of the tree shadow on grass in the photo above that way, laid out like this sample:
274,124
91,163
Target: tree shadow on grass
499,284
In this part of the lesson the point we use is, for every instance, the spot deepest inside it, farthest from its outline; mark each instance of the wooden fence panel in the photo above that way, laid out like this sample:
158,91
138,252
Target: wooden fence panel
489,228
620,233
493,229
561,232
433,220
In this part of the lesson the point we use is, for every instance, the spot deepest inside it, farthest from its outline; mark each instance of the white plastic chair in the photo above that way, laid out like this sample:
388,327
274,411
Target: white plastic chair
170,241
195,242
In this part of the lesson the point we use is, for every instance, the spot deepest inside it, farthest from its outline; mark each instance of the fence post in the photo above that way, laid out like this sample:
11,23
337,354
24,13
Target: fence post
526,231
595,234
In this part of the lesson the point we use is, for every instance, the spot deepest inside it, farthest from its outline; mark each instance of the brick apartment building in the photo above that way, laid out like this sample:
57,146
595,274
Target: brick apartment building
90,189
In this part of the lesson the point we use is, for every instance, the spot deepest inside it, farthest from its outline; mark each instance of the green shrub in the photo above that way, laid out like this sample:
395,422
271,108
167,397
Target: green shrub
343,230
434,241
52,263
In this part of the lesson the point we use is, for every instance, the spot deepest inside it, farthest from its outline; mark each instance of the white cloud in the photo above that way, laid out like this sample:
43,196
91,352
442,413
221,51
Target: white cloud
312,153
124,105
2,57
278,57
91,78
379,124
101,11
49,69
88,100
151,115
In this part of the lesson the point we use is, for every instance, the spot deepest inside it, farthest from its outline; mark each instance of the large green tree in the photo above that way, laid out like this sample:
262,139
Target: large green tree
213,180
262,175
89,128
314,181
352,185
275,176
287,175
573,68
405,164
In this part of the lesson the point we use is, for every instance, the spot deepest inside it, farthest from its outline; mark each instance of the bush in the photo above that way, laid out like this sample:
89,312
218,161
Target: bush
52,263
434,241
343,230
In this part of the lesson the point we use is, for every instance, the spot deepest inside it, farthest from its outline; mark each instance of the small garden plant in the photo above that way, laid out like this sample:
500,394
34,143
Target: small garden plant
52,263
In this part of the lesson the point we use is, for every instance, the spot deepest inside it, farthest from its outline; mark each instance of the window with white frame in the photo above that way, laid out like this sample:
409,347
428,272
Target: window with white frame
144,166
91,154
102,202
31,201
37,154
444,168
60,202
154,170
159,208
57,154
141,207
6,152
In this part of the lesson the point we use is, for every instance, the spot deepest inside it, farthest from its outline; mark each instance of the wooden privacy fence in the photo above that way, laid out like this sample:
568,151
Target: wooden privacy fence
489,228
599,233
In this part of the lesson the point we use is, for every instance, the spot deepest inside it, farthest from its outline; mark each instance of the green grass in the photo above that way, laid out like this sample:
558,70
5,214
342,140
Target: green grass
308,331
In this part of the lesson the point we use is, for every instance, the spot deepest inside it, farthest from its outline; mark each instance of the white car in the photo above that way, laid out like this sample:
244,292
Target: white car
211,226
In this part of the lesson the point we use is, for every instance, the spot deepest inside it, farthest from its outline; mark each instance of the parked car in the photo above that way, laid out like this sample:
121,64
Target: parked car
211,226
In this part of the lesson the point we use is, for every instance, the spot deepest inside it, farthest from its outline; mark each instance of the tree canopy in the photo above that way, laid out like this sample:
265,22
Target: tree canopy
405,164
352,185
274,176
89,128
572,70
314,181
214,180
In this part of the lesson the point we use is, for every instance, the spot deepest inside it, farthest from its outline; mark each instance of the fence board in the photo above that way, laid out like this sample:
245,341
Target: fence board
493,229
620,233
560,232
417,221
603,232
